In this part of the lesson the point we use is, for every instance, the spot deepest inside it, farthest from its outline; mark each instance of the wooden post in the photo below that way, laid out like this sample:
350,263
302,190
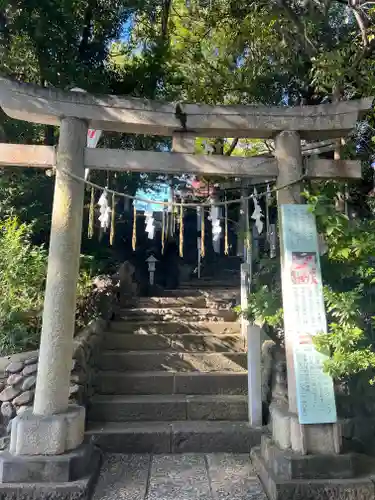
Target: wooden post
254,375
185,143
249,330
244,295
200,214
247,233
241,227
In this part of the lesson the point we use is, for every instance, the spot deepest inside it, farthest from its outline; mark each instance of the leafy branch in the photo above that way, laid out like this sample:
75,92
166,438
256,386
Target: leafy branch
348,271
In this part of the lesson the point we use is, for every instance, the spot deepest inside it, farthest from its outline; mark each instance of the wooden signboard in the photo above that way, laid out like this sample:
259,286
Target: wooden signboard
304,314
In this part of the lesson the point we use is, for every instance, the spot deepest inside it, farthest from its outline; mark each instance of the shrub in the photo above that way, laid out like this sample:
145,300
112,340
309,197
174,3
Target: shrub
22,281
348,271
22,278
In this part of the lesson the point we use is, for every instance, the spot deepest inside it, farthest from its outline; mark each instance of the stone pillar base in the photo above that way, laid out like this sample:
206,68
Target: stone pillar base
47,435
47,458
70,466
288,433
70,476
289,475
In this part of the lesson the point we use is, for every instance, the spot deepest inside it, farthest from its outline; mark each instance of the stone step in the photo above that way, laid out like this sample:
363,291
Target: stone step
177,301
168,407
179,313
201,285
228,279
173,437
179,292
216,301
184,342
189,291
173,361
221,278
112,382
176,327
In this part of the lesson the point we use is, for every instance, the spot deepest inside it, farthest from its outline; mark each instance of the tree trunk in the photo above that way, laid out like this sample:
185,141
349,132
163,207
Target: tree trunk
3,135
87,28
166,9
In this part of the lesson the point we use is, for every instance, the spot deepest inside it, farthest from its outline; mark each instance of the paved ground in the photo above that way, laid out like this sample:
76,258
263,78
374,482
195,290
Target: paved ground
218,476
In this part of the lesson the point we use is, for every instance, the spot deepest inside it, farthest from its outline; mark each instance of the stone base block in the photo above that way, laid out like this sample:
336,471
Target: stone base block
277,488
288,433
51,435
79,489
70,466
280,423
286,464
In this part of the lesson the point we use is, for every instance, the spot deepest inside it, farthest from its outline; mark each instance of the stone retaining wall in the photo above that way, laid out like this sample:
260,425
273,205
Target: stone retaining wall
18,372
85,351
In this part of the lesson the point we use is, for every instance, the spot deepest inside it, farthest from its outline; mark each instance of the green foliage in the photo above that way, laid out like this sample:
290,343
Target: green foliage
265,305
346,345
22,275
84,284
63,44
27,195
265,301
348,270
84,288
22,283
349,277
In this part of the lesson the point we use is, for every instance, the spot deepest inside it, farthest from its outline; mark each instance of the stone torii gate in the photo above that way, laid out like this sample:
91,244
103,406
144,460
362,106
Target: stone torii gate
54,428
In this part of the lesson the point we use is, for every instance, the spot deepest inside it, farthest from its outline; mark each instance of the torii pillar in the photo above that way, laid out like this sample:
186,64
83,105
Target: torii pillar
54,429
305,439
52,389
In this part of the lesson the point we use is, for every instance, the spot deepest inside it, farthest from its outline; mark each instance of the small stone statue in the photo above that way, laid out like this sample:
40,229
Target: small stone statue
274,376
279,378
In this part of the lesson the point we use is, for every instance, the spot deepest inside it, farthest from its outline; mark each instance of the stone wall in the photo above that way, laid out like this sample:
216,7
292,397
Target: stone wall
18,372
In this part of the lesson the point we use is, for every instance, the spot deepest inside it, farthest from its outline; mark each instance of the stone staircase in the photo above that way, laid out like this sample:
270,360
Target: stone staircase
173,378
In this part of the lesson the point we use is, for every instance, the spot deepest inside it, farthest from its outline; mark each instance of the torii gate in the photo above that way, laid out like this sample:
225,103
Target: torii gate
54,427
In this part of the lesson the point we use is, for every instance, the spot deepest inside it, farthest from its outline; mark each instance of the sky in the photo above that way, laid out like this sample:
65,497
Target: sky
126,30
162,192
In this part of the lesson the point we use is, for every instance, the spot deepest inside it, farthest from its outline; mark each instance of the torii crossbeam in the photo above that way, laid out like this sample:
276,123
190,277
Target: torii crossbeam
141,116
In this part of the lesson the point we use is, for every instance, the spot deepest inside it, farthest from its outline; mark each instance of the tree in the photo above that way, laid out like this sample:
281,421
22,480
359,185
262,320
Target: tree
61,44
262,51
22,275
